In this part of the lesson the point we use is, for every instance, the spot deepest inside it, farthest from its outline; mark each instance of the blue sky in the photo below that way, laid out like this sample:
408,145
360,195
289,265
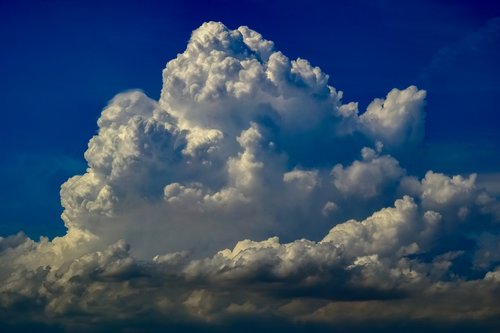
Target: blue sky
61,62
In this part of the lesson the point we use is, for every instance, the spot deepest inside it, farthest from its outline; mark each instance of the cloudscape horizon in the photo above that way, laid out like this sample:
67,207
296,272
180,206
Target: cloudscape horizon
252,195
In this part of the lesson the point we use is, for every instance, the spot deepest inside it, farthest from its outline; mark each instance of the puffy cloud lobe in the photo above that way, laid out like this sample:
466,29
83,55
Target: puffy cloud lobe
245,143
456,197
440,189
368,177
202,139
244,170
268,260
304,181
329,207
389,231
136,140
396,119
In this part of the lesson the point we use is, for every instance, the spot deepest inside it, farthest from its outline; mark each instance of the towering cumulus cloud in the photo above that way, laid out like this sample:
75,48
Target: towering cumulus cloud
251,193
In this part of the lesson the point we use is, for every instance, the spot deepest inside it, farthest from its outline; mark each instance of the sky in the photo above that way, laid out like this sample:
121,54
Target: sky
75,56
299,165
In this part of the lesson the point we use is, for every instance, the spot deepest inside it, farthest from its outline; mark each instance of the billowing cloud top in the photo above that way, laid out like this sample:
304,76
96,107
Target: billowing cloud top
244,144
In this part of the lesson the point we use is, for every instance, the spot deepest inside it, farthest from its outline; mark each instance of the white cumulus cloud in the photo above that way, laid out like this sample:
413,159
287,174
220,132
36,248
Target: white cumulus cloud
239,194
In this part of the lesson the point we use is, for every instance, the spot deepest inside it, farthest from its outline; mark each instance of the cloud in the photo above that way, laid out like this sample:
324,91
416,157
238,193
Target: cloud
239,196
368,177
304,181
397,119
388,231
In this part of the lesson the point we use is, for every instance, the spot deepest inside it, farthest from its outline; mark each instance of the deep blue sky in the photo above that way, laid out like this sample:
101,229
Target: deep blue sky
61,61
